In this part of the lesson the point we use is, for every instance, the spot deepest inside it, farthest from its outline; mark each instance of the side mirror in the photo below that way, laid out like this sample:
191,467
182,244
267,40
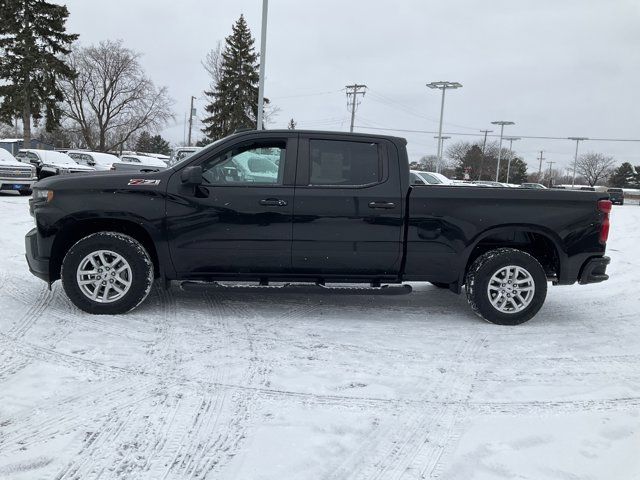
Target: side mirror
191,176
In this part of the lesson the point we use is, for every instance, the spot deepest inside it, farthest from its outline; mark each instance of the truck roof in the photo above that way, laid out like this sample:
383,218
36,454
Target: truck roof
323,132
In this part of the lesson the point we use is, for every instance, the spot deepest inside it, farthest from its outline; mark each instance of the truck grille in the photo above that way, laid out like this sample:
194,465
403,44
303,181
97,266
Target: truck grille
17,172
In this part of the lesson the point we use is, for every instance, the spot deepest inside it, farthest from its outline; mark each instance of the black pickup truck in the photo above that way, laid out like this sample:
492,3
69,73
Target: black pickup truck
289,205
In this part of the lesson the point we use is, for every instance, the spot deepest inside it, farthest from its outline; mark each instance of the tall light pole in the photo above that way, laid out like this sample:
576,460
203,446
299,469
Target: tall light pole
484,145
575,158
502,123
442,86
511,140
263,53
441,139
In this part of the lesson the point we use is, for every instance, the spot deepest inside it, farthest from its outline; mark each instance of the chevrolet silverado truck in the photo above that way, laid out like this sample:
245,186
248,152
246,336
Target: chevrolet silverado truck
307,206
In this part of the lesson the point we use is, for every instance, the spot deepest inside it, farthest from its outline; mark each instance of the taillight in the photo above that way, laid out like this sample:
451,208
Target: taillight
604,206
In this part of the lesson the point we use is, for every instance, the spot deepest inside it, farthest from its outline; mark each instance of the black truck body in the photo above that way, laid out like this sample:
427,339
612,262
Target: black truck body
315,206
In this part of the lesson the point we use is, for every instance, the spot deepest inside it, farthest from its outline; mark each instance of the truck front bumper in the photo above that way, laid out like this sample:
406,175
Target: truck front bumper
37,265
594,270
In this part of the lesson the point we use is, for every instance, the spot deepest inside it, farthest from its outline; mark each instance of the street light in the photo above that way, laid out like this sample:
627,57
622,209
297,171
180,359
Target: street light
511,140
442,86
575,159
502,123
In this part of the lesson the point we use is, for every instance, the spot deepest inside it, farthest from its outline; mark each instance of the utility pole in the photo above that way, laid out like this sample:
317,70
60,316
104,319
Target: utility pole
442,86
484,146
502,123
575,158
550,165
511,140
190,121
540,167
352,99
263,55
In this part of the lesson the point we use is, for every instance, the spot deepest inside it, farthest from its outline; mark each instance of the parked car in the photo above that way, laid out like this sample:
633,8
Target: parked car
51,162
338,207
418,177
616,195
490,183
15,175
181,153
538,186
588,189
98,160
138,163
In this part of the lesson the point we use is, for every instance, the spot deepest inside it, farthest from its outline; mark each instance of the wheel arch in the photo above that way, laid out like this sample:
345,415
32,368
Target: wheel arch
74,231
541,243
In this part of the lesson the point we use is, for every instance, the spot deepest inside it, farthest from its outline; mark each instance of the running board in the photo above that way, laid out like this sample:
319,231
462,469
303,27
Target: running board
299,288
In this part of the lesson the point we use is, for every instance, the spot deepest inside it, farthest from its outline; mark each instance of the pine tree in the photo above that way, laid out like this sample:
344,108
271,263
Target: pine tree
234,100
623,176
292,124
152,144
33,41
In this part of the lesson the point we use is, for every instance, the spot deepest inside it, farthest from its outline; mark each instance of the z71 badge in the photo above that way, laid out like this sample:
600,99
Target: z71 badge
143,182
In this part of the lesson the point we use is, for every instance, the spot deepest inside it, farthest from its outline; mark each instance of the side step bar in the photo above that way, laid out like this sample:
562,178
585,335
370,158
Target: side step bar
298,288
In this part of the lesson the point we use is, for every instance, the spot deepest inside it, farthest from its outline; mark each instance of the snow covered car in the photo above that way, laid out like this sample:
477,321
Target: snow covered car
419,177
138,163
51,162
181,153
98,160
15,175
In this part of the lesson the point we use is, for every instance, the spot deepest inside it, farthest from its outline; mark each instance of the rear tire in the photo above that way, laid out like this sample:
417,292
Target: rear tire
506,286
107,273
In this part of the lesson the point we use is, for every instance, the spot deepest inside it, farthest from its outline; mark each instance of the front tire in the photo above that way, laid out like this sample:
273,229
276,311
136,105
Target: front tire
107,273
506,286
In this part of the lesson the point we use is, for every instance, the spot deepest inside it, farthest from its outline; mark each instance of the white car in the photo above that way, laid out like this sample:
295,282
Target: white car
181,153
15,175
98,160
51,162
138,163
419,177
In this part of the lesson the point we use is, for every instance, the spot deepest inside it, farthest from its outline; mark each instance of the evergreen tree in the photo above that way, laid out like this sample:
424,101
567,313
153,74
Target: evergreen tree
152,144
292,124
33,41
623,176
234,100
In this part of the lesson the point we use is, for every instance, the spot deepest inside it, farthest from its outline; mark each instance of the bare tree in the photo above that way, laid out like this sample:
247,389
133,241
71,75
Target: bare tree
213,64
594,167
111,98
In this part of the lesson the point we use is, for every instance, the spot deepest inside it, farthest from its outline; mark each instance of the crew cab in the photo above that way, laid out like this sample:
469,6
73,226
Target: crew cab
286,205
15,175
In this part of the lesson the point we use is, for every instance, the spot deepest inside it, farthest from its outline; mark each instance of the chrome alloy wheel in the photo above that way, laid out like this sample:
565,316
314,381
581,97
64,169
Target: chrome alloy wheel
104,276
511,289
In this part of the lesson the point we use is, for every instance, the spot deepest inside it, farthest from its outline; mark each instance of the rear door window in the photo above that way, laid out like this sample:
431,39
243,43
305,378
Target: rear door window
344,163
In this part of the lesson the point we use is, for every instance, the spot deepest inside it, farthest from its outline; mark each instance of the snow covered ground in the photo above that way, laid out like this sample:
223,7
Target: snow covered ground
251,384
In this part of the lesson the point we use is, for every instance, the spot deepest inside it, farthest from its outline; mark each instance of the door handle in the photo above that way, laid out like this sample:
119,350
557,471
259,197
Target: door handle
382,205
273,202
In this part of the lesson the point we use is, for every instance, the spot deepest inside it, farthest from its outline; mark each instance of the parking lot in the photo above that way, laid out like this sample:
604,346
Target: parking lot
279,383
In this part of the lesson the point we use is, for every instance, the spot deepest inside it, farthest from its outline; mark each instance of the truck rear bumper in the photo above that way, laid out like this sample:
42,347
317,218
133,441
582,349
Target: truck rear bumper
37,265
594,270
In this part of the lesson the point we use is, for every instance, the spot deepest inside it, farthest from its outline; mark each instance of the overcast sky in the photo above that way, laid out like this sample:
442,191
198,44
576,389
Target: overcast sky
555,67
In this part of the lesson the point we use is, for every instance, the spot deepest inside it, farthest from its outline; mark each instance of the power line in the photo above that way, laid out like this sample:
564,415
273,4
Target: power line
466,134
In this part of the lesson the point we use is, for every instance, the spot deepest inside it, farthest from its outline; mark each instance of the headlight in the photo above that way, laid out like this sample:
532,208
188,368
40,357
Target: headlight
40,194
